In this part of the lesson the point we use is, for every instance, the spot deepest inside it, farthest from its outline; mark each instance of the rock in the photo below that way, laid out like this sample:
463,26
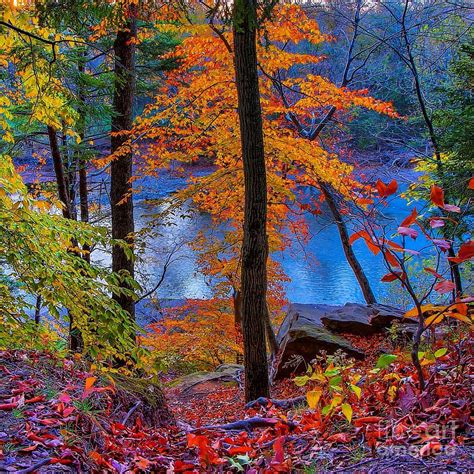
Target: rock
204,382
352,318
359,319
383,316
303,313
303,334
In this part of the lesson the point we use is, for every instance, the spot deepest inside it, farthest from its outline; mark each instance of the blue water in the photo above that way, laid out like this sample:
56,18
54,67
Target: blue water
319,272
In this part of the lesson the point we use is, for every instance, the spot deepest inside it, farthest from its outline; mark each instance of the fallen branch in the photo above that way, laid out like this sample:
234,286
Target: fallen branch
36,466
285,403
248,424
130,412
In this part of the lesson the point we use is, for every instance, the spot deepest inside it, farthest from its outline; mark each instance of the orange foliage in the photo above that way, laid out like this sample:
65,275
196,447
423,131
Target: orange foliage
201,332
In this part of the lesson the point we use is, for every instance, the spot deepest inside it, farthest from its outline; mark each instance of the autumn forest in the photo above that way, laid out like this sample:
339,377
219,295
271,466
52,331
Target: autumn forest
236,236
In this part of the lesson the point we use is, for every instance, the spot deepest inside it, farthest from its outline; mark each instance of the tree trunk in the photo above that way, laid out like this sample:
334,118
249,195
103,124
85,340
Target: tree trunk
254,248
75,337
121,167
271,338
59,173
81,165
348,250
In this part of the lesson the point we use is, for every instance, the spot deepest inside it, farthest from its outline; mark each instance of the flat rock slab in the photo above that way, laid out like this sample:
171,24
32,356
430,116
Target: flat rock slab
200,383
359,319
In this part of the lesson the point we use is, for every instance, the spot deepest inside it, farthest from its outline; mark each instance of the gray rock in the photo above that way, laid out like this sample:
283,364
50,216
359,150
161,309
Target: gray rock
355,318
223,374
302,334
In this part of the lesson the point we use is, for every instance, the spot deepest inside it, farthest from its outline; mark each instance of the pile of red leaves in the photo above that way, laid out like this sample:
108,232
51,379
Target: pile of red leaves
54,412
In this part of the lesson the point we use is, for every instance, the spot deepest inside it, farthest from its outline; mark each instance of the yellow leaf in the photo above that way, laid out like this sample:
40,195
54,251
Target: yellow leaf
434,319
313,397
414,312
461,317
347,410
357,390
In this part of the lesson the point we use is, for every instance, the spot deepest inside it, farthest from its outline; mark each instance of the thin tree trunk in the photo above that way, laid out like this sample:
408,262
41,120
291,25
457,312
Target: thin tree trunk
121,167
59,173
38,309
254,248
271,338
81,165
348,250
456,274
75,337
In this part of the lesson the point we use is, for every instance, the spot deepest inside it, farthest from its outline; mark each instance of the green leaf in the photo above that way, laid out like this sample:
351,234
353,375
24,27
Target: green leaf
385,360
301,381
440,352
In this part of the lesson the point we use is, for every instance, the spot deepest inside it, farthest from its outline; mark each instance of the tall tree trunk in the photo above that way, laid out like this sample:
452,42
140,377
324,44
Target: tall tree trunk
121,167
348,250
80,163
61,182
75,337
254,248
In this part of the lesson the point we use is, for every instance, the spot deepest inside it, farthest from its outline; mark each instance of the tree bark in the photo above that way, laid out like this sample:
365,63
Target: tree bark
59,173
121,167
254,248
75,337
348,250
81,165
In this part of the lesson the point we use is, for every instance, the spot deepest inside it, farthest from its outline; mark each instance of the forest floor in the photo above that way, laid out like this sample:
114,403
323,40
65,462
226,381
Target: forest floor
58,416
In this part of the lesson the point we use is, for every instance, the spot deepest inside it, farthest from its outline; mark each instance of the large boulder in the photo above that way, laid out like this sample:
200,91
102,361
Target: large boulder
359,319
302,336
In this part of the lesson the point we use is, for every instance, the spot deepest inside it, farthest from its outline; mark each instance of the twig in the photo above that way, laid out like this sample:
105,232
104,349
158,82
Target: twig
130,412
36,466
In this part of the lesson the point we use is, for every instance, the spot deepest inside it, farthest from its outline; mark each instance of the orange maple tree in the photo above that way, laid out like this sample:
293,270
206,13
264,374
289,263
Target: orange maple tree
194,117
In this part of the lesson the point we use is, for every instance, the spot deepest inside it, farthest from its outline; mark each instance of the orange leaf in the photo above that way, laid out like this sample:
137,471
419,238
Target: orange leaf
89,382
471,183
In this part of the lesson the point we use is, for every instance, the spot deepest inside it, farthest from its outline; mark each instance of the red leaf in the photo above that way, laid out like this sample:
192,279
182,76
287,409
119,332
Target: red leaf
35,399
466,252
391,259
339,438
8,406
367,420
433,272
239,450
471,183
437,196
386,190
444,286
392,276
278,450
408,221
